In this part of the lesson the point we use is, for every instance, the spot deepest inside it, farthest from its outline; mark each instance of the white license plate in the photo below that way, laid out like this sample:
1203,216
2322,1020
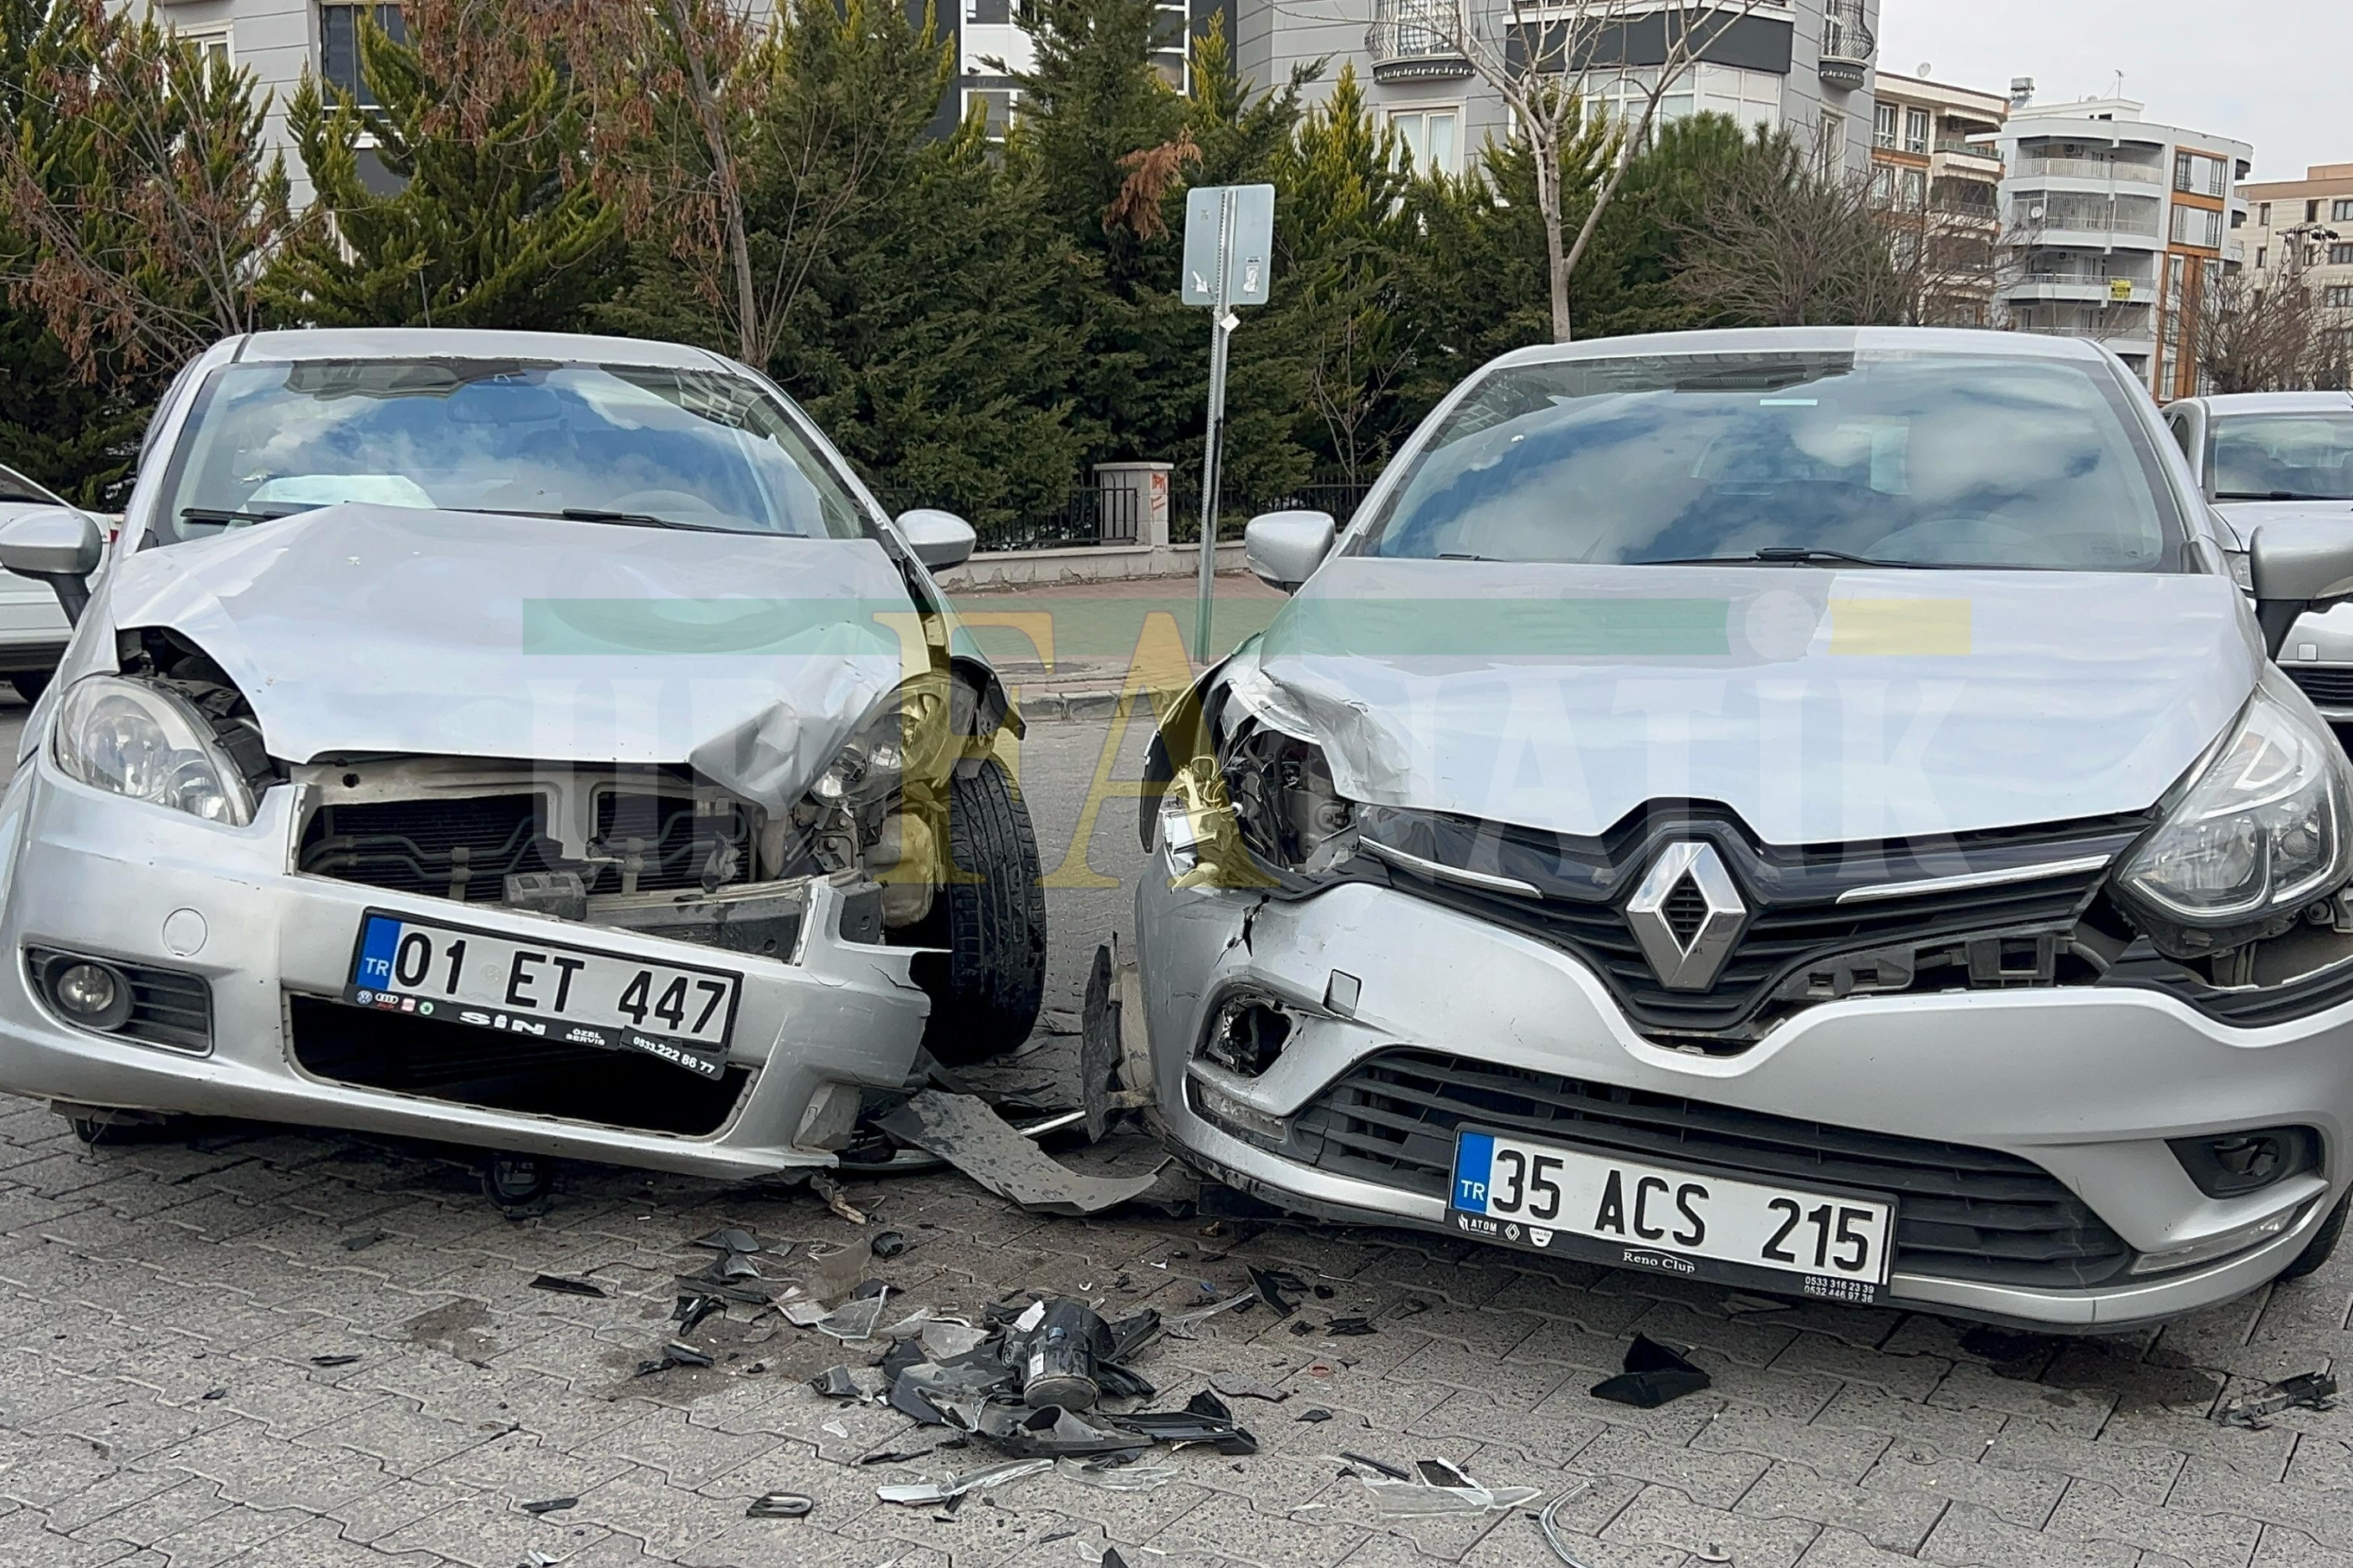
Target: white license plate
1678,1221
545,990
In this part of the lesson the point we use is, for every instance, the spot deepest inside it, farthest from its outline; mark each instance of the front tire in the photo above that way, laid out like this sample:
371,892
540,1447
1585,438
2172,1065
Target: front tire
987,987
31,683
2323,1245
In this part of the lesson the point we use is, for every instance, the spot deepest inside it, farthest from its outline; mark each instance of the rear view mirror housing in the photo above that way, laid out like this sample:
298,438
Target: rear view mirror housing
1284,548
939,538
2296,565
57,545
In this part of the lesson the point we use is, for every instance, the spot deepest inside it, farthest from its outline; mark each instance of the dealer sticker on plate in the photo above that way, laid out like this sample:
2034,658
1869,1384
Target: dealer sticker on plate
1632,1213
546,991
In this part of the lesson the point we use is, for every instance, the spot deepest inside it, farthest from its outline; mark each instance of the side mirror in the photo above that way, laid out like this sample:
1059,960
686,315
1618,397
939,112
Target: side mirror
1285,547
939,538
56,545
2296,565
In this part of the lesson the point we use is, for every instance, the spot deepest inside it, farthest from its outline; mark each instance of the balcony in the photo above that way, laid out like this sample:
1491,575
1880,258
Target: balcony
2089,169
1847,45
1414,40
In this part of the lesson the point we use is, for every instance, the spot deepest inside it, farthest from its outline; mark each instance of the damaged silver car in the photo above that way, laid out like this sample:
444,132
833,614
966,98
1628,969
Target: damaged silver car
1808,810
531,742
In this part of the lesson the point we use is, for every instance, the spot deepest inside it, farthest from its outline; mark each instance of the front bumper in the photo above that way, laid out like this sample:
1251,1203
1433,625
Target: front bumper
86,872
2086,1084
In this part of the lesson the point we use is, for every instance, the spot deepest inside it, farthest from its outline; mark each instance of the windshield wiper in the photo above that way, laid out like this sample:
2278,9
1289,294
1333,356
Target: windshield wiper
2275,495
229,514
1791,555
596,514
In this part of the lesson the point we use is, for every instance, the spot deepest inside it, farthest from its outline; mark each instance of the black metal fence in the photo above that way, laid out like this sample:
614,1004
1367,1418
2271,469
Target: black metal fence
1094,514
1330,491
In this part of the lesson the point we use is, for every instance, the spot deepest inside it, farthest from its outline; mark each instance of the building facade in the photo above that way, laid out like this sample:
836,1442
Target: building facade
1804,64
2113,225
2302,231
1935,169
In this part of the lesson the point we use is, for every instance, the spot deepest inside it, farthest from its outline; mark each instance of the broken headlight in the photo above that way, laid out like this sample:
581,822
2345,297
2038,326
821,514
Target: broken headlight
2258,837
1278,784
898,740
146,742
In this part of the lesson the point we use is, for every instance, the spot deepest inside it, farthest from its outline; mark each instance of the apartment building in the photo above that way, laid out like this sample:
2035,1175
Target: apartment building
1935,169
1804,64
2113,225
2303,229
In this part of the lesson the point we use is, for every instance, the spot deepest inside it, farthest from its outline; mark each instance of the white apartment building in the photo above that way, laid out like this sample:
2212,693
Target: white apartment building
2112,223
1935,170
2303,229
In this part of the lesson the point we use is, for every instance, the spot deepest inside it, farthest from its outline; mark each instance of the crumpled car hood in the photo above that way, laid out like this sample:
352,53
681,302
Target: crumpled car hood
1820,706
361,628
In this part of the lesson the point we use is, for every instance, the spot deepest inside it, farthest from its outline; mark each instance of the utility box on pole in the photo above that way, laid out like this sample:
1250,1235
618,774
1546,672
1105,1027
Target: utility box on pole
1229,262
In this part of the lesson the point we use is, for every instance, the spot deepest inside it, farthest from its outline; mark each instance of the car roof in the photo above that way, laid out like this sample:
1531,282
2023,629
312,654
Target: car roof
2278,402
1823,339
467,342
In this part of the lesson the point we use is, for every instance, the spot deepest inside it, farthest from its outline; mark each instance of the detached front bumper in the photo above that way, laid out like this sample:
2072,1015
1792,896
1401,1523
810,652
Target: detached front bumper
89,873
2085,1085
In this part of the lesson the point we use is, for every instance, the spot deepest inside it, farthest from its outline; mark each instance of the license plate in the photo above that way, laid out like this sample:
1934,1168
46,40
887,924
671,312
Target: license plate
1699,1223
545,990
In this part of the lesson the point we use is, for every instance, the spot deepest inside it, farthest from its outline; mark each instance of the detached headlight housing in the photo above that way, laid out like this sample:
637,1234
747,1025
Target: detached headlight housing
147,741
1278,782
2260,835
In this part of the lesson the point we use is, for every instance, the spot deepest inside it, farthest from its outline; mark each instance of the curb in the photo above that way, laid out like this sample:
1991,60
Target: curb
1080,703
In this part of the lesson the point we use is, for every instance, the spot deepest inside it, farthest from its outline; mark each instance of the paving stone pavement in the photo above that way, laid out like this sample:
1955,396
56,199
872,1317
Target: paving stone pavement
176,1313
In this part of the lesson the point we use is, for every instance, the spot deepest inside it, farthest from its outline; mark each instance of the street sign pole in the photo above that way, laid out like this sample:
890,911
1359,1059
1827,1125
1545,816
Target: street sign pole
1212,449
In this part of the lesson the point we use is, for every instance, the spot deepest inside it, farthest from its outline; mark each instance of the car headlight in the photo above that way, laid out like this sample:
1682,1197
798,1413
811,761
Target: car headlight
2259,837
149,742
905,737
1278,784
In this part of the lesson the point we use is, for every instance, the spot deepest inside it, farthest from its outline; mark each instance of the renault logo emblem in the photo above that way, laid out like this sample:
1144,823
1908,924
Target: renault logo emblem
1687,914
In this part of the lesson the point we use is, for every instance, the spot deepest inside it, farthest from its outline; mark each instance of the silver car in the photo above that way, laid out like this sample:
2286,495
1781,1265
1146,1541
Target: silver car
533,743
2260,456
1807,809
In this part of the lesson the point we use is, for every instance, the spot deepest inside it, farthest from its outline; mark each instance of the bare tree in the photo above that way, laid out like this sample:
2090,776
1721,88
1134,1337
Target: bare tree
1552,66
1783,241
132,170
2253,331
1951,254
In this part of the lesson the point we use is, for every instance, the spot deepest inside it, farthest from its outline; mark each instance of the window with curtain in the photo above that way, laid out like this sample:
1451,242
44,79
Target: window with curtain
1429,141
339,45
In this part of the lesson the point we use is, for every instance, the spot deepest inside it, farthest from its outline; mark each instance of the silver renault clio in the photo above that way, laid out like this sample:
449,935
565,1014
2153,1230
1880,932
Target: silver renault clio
1808,810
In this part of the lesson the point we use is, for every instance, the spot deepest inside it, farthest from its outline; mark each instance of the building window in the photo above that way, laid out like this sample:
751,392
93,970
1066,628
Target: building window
2340,256
1751,98
1429,141
2341,213
1882,125
1830,141
339,45
2199,174
2338,296
2264,215
2260,253
2198,225
211,43
1915,131
1883,184
997,108
1915,189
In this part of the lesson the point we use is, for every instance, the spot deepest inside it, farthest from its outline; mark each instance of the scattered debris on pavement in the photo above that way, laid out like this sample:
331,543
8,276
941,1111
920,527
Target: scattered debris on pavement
2305,1390
1551,1531
333,1360
887,1244
550,1505
780,1505
834,1198
1438,1488
563,1285
1244,1388
1653,1376
924,1492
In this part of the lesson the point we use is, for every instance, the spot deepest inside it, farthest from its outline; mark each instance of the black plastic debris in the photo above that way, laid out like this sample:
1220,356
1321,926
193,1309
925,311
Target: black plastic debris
361,1240
1245,1388
1350,1328
564,1285
888,1244
735,1267
1271,1284
731,1240
693,1309
1112,1558
1055,1433
1206,1418
967,1134
1059,1357
780,1505
332,1360
2306,1391
1372,1464
677,1353
550,1505
835,1382
1653,1376
750,1292
1316,1417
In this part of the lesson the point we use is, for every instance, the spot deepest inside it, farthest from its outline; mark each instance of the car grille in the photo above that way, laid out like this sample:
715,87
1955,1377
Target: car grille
465,848
1796,922
1961,1213
167,1007
2329,685
404,1054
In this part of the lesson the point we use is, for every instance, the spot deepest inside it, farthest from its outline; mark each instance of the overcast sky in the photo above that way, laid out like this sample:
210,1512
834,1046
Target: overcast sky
2278,73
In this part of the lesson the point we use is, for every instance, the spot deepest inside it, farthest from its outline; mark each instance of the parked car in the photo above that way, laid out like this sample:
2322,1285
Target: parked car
1803,809
535,743
33,629
2263,456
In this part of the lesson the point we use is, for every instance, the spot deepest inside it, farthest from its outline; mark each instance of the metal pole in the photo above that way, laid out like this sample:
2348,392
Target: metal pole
1212,447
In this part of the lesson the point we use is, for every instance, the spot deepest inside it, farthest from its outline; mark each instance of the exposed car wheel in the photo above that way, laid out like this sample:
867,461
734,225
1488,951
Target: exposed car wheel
31,683
2324,1241
519,1183
987,987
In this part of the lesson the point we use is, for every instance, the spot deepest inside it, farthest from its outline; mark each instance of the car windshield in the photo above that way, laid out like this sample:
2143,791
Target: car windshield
1896,458
2284,456
604,443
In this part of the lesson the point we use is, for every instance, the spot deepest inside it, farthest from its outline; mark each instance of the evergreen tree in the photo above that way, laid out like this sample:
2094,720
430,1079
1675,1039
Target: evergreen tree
484,230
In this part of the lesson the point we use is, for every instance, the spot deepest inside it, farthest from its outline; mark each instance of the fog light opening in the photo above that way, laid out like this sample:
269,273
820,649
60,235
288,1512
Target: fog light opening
89,994
1248,1035
2232,1164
